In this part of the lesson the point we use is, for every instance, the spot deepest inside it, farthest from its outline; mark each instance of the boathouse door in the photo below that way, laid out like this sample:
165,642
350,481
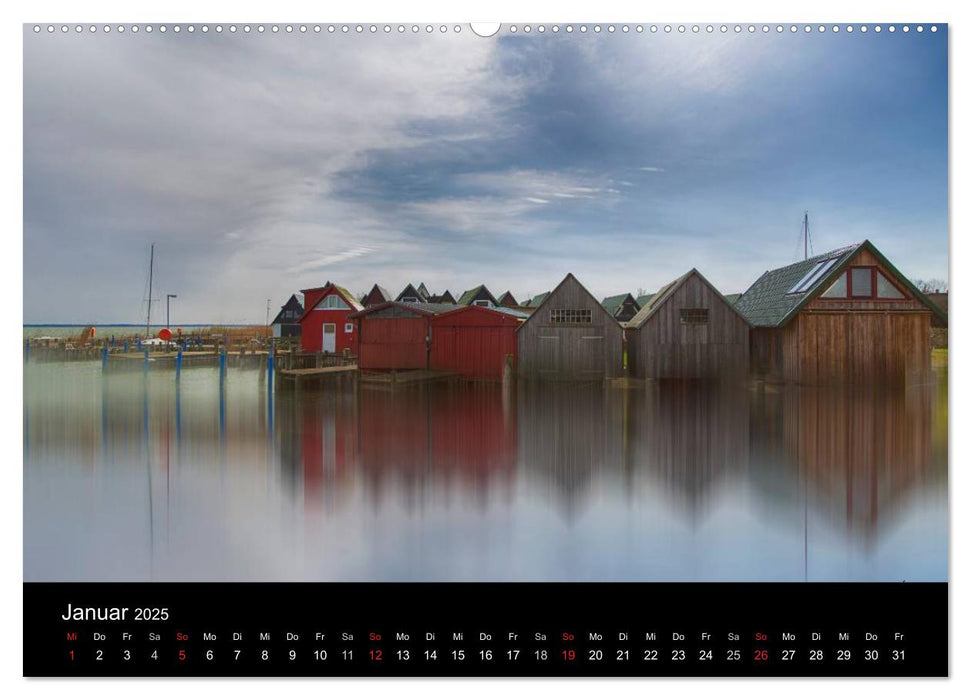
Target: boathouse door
330,338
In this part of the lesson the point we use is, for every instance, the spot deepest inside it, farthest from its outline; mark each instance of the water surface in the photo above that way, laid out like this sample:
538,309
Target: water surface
133,477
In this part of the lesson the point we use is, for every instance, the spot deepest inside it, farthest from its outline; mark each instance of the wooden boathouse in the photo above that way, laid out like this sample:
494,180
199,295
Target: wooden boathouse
844,316
286,324
475,341
688,330
396,335
325,326
570,336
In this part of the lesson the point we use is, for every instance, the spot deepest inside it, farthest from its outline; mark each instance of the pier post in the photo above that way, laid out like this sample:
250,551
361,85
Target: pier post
138,343
270,361
222,365
178,365
126,347
104,357
27,351
145,362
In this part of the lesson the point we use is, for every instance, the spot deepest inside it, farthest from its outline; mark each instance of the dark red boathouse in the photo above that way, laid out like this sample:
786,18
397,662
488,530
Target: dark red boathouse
474,341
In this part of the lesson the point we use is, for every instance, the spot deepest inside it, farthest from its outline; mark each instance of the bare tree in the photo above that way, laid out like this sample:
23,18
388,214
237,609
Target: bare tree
931,286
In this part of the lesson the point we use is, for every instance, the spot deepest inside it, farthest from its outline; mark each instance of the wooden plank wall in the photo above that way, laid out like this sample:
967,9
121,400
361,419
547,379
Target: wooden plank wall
866,341
664,347
589,351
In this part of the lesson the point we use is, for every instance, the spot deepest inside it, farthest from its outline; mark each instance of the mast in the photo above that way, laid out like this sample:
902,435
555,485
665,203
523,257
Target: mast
151,269
805,235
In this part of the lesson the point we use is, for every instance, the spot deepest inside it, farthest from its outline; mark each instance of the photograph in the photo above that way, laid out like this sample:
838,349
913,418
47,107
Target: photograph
425,304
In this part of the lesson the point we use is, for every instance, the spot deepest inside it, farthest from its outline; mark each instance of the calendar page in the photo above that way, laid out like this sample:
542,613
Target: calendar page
519,349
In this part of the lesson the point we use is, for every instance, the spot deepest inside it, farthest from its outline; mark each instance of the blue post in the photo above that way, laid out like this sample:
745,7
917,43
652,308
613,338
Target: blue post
178,365
126,346
270,361
27,351
222,393
145,363
104,358
139,341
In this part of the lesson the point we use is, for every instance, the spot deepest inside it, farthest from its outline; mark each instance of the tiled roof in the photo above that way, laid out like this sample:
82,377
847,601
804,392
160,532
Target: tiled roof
768,301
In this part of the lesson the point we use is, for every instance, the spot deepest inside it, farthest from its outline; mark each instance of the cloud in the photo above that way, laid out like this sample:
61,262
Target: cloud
327,260
263,164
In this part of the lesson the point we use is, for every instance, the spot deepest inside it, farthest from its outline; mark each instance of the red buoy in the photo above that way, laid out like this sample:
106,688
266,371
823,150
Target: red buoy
165,334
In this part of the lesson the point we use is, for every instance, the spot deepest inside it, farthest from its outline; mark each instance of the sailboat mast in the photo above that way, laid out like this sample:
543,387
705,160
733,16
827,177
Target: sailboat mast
151,270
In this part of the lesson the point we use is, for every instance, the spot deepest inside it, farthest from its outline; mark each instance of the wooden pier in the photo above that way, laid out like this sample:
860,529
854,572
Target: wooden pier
412,376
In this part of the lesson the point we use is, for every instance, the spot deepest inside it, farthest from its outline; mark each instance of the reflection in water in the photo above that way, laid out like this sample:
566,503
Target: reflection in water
133,477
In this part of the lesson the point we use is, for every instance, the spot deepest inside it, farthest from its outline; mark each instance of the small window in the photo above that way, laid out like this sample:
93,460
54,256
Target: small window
332,301
348,327
837,290
571,316
861,282
410,300
886,289
694,316
482,302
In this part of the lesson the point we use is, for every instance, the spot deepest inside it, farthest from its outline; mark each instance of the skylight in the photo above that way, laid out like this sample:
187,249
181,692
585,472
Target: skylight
813,276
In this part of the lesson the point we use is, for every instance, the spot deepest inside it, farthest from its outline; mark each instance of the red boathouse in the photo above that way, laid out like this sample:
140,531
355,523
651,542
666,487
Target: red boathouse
474,341
395,335
325,325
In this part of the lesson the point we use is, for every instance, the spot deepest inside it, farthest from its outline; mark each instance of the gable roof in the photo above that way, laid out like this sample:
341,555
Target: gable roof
423,290
385,294
644,299
443,298
769,303
294,303
508,299
613,304
535,302
344,294
668,290
548,295
470,294
731,298
410,291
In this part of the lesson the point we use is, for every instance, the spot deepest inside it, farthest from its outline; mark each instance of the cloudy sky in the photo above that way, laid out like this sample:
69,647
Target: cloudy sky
262,164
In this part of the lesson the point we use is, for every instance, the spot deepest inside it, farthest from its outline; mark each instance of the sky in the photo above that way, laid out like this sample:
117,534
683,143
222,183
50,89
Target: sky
261,164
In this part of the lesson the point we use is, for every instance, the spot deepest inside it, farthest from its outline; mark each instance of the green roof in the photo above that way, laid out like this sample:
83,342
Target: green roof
732,298
643,300
612,304
536,300
471,294
769,302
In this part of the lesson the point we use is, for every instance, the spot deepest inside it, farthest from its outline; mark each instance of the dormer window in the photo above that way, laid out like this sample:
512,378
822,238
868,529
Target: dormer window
482,302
